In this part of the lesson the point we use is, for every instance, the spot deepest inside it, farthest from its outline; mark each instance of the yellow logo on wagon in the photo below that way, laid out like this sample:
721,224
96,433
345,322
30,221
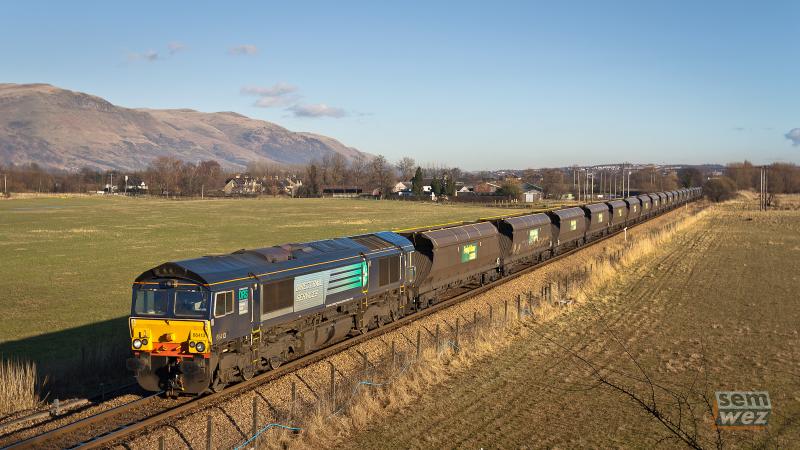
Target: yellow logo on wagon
469,253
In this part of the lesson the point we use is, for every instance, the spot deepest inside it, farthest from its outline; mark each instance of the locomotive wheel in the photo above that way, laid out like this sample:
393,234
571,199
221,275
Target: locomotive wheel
275,362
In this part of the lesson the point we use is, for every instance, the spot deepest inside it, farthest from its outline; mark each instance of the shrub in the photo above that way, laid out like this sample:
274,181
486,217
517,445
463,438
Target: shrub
719,189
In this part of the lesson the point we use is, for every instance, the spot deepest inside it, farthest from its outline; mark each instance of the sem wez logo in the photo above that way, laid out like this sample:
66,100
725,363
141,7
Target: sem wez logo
742,409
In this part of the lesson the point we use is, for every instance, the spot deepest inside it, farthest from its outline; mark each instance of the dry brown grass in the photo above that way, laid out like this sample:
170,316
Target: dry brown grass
369,405
18,385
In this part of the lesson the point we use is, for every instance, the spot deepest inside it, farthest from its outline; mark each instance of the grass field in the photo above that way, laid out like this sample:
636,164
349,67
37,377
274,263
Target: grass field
714,309
68,263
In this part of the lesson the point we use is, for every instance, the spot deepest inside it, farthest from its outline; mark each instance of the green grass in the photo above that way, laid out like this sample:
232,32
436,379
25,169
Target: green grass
68,263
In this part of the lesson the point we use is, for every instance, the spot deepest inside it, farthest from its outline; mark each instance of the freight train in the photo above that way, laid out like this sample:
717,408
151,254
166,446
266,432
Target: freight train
200,324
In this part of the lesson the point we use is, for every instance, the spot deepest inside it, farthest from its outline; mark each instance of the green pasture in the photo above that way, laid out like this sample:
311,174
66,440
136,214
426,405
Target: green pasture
66,264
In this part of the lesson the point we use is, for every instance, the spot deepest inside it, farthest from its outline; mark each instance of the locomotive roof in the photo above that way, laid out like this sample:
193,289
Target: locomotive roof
261,262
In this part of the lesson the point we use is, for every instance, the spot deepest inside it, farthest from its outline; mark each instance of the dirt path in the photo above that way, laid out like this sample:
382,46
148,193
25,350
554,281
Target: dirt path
715,309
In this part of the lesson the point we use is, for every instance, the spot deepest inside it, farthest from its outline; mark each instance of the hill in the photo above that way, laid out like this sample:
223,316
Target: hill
62,129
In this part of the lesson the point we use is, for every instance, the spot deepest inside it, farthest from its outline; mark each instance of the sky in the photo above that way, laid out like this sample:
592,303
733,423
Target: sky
478,85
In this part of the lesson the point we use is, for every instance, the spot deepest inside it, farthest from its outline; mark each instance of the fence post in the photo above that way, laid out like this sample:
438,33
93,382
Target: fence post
394,357
519,307
333,387
294,400
437,338
161,443
491,315
209,434
255,415
475,320
458,323
365,363
419,341
505,311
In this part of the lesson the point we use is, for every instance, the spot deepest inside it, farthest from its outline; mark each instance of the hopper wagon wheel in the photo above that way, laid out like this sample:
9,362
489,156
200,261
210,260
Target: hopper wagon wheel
247,372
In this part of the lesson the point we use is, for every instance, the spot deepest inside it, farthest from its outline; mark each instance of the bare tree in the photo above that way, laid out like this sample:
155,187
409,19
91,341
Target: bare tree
382,175
406,168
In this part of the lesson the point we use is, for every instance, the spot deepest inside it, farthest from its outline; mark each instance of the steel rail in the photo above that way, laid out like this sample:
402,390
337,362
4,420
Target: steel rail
200,402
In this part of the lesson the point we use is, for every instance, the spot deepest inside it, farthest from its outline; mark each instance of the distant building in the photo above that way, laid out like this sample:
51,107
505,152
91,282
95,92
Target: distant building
135,187
486,188
243,184
531,193
402,188
341,191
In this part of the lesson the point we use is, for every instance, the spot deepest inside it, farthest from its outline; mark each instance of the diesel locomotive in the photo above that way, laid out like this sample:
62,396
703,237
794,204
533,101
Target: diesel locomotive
201,324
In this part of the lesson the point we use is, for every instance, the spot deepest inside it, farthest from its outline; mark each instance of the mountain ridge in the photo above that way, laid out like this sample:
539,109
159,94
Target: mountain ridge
63,129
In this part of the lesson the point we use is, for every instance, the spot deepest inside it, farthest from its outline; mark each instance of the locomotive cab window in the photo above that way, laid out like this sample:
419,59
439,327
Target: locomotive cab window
223,303
151,302
191,303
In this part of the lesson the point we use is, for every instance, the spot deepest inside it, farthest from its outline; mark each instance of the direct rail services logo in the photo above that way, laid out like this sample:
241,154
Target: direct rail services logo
742,409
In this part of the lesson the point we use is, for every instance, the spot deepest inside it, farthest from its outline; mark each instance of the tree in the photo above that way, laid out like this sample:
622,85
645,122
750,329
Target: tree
311,184
436,186
743,174
417,183
510,187
553,185
381,175
405,167
719,189
690,177
358,169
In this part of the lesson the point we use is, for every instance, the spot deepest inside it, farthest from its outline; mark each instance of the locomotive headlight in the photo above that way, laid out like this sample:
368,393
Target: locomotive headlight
137,344
200,347
191,344
144,341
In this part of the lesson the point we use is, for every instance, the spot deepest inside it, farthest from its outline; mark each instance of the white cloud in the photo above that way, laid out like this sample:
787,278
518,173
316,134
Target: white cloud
316,110
245,49
279,94
794,136
175,47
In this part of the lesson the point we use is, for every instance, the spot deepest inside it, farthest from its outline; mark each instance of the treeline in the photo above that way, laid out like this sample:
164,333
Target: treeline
782,178
165,175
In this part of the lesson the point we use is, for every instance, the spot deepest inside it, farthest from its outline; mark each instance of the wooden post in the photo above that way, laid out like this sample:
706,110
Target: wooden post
294,400
255,415
394,357
365,363
491,315
437,338
333,387
505,310
419,342
209,441
161,443
458,323
519,307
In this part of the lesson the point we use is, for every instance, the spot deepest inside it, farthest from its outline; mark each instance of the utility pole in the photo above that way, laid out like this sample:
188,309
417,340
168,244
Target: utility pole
202,191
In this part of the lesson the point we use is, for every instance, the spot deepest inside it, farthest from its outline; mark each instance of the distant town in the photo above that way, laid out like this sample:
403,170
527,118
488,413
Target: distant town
339,177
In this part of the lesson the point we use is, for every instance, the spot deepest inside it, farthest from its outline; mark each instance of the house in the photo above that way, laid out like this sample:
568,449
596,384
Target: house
531,193
242,184
290,186
402,187
135,187
486,188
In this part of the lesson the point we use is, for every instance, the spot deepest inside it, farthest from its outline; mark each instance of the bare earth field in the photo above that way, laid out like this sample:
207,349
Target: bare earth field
714,309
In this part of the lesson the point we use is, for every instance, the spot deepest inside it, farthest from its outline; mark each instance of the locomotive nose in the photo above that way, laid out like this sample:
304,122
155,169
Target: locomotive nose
168,337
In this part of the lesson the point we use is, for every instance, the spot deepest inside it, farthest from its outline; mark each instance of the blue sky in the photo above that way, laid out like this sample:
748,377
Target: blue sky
469,84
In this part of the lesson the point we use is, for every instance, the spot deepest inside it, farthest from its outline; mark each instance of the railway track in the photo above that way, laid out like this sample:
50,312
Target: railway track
106,428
